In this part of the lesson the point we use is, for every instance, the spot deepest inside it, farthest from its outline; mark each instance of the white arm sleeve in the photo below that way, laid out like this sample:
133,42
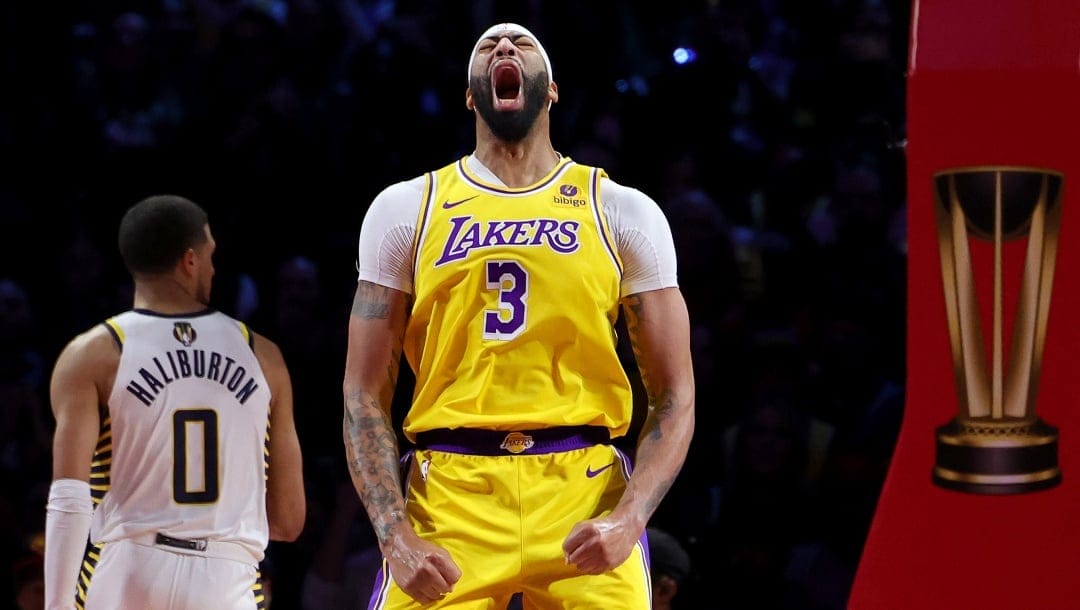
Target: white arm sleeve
384,251
642,236
67,529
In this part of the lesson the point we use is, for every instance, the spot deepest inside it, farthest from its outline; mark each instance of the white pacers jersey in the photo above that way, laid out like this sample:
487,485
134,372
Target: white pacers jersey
185,442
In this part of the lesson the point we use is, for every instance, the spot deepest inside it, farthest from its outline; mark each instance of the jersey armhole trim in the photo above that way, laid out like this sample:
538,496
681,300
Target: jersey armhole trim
116,332
249,337
426,201
601,223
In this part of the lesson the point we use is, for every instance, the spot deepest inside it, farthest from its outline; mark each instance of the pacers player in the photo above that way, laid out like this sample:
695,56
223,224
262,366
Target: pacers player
175,447
501,277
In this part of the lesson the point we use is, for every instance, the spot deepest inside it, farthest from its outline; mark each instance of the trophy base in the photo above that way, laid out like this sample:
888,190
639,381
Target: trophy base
997,456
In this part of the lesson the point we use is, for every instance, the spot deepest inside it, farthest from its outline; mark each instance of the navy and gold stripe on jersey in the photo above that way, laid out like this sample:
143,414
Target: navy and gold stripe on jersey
101,465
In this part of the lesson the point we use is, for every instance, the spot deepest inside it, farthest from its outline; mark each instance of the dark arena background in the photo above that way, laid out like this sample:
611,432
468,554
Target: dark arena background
771,132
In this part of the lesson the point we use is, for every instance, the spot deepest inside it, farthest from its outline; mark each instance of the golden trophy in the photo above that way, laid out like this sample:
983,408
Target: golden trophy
997,444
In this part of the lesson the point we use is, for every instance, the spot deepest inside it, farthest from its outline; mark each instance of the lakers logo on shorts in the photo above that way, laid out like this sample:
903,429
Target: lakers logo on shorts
516,442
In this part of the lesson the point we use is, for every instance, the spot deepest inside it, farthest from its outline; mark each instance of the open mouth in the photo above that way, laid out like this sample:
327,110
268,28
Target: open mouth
506,86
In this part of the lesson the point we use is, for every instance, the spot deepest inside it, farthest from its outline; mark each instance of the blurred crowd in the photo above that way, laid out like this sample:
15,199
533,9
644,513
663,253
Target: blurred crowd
771,132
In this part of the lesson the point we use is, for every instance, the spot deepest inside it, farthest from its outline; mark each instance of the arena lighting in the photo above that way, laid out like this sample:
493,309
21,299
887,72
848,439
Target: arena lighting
635,83
683,55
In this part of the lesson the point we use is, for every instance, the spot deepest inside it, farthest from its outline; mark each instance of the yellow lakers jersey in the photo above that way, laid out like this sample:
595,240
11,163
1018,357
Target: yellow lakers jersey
516,293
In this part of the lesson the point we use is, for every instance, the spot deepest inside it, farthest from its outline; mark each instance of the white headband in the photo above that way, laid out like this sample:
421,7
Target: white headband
501,28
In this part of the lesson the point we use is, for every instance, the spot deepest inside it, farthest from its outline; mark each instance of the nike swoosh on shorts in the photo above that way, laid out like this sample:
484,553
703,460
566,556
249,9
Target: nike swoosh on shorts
589,472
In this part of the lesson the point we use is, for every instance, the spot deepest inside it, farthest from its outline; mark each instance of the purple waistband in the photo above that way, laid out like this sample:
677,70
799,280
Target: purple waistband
475,441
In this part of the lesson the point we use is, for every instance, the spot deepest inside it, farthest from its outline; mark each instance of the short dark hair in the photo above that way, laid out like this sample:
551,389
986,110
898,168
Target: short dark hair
667,557
155,232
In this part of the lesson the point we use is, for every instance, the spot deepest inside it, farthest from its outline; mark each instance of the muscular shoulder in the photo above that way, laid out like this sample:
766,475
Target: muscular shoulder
268,354
90,357
94,347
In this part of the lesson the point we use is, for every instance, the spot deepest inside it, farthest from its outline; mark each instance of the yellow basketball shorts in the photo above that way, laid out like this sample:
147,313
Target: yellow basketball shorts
502,504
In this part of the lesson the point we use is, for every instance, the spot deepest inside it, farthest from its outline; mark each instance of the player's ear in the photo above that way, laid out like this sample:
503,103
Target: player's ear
553,92
189,262
468,99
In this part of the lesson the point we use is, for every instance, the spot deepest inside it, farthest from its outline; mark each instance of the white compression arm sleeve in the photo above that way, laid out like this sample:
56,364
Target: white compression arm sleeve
67,529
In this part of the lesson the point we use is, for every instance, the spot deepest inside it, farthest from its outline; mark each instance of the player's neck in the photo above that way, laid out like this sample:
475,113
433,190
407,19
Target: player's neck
165,295
518,164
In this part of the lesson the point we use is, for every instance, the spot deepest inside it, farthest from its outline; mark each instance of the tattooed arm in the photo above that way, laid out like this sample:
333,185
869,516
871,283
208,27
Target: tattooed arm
376,330
659,330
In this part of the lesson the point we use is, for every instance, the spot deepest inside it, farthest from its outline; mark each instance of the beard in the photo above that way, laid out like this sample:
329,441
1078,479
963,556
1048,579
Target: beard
509,126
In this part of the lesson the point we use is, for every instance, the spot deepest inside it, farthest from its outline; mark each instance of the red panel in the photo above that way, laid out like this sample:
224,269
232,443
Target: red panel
990,83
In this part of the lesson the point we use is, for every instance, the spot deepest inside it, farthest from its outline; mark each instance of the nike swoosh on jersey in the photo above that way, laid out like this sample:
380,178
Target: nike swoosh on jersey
589,472
449,204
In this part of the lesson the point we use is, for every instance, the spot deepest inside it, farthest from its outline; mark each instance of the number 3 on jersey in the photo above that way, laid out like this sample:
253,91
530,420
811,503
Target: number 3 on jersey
512,282
195,456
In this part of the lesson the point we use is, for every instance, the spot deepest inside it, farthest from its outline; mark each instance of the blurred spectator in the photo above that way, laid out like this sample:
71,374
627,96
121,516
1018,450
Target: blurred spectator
347,561
20,354
821,565
25,436
762,503
308,327
670,566
86,290
29,578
